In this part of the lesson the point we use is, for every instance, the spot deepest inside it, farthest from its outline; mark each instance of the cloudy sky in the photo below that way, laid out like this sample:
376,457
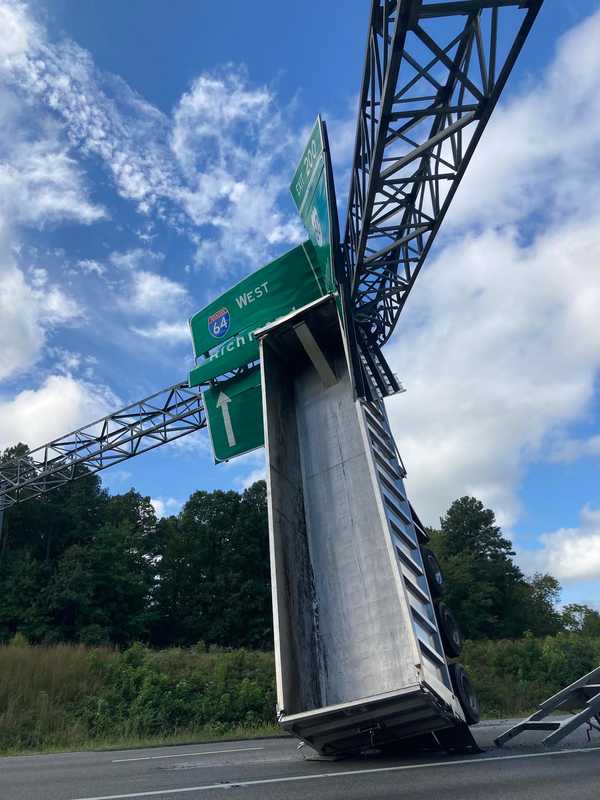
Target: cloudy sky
146,151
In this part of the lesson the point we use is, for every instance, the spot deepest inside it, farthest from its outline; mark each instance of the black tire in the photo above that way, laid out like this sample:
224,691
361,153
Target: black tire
435,576
463,689
452,638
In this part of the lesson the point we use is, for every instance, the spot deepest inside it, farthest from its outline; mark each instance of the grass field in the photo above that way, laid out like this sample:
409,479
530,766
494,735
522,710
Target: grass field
75,697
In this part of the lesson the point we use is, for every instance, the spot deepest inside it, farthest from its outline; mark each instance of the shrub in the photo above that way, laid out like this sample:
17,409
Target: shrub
72,696
69,696
513,676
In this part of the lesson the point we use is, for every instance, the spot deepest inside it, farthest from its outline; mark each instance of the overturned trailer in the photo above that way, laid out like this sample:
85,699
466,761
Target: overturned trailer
359,648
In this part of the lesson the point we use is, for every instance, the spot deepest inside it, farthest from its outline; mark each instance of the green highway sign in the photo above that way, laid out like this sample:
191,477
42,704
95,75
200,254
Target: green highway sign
310,165
310,192
222,333
241,349
234,415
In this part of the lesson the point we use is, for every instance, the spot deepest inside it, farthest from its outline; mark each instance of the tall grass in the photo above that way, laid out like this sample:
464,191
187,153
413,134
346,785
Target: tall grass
72,697
41,689
69,696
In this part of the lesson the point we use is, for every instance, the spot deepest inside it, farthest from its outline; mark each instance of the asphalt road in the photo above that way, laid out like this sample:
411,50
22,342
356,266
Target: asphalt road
275,768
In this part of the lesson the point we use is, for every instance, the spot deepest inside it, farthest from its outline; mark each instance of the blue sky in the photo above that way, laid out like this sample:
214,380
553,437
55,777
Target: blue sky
145,153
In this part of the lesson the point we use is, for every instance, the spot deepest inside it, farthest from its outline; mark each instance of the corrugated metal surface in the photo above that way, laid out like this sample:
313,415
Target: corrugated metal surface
405,541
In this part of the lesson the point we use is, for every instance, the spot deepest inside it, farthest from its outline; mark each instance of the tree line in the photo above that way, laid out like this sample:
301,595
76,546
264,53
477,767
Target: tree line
488,592
81,565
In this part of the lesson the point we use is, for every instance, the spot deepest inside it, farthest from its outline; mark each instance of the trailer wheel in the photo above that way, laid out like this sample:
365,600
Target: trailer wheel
465,692
452,638
435,576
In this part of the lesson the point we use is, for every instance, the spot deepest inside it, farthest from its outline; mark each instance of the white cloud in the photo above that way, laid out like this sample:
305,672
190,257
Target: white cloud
220,162
17,31
59,405
144,293
544,141
154,294
196,443
41,183
236,144
28,310
55,307
39,277
245,481
201,114
166,506
20,331
165,332
493,366
137,258
120,475
569,450
569,553
68,362
499,344
117,125
341,132
89,266
254,463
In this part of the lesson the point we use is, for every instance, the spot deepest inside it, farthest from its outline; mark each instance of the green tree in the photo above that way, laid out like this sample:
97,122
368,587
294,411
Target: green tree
136,511
22,579
537,611
469,527
485,588
47,525
251,575
579,618
77,564
100,591
213,571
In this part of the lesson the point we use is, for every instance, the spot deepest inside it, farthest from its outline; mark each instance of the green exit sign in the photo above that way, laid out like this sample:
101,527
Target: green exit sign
234,415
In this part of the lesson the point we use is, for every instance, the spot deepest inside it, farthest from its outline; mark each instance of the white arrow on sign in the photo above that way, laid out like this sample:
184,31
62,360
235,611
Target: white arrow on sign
223,403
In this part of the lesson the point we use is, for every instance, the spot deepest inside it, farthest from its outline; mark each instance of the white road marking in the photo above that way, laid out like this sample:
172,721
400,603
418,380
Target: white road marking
184,755
340,774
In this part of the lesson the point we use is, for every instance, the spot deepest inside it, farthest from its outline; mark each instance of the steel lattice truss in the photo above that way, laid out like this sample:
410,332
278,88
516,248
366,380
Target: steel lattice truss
433,74
167,415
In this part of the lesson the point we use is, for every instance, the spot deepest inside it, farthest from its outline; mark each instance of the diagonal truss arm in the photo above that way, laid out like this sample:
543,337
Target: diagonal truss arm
167,415
433,74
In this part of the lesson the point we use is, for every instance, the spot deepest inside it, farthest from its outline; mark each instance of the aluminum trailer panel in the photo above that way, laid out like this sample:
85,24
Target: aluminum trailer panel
357,649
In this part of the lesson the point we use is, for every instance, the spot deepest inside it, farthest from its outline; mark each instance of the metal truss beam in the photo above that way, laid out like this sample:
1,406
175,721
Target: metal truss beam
167,415
433,73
